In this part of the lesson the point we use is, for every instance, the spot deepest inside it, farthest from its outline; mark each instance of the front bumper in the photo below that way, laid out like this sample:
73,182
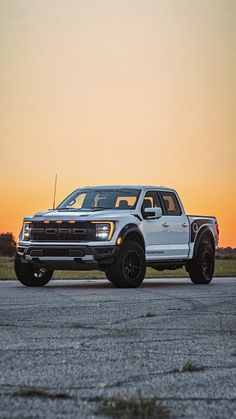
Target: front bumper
61,257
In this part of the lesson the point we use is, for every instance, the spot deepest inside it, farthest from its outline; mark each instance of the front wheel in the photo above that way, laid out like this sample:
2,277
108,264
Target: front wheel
30,275
128,270
201,269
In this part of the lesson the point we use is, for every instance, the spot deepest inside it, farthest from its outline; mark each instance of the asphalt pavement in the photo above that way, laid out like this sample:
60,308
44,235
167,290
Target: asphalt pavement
68,347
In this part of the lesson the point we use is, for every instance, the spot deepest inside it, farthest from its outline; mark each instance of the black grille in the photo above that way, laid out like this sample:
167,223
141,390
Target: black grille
56,252
80,231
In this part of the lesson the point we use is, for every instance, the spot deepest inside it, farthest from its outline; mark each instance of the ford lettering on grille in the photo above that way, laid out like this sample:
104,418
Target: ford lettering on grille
58,231
80,232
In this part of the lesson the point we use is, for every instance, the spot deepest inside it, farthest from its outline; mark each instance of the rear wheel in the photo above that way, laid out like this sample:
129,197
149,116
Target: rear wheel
128,270
30,275
201,269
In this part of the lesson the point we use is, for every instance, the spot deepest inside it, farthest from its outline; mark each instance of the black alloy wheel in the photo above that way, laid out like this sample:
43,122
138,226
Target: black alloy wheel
132,265
201,269
30,275
207,264
129,268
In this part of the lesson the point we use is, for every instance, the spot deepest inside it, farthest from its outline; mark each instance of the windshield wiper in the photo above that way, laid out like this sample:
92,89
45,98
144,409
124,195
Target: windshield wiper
72,209
101,208
85,209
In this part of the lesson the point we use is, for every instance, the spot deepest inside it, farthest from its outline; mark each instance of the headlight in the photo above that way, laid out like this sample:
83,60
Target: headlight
104,231
26,231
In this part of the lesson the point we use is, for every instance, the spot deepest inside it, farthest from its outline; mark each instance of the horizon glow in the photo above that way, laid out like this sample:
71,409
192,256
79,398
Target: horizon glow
128,92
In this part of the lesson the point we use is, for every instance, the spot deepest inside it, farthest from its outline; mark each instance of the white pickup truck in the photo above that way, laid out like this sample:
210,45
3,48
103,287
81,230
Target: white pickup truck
119,230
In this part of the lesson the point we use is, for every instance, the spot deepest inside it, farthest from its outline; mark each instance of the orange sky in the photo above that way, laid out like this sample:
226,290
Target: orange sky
118,92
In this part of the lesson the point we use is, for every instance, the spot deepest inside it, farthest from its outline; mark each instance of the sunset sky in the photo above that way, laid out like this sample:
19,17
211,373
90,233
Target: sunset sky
118,92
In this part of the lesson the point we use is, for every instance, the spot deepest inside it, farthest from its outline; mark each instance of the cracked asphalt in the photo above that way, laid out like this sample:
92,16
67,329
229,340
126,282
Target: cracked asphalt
74,341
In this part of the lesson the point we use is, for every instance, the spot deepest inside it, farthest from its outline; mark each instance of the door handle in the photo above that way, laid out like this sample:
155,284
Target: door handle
185,225
165,225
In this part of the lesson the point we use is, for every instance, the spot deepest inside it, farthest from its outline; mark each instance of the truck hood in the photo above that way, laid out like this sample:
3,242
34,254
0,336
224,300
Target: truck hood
52,215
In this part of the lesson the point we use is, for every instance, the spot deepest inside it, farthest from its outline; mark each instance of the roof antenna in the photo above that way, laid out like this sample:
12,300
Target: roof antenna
55,190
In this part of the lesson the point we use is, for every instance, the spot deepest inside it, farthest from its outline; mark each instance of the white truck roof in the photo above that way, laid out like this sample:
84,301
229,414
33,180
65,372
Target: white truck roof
128,187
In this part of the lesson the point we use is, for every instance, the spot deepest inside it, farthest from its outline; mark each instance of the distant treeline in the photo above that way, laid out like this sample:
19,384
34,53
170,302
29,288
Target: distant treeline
8,248
226,253
7,244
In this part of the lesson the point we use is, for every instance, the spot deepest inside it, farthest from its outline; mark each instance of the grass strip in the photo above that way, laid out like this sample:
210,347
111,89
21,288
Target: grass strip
130,408
38,392
224,267
189,367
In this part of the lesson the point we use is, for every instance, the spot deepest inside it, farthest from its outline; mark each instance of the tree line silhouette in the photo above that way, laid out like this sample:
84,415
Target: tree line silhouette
7,244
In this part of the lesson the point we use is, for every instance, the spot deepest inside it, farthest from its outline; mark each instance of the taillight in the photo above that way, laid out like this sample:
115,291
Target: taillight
217,231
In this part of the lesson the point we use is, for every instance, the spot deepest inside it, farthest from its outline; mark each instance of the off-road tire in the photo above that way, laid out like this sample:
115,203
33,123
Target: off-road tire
129,268
30,275
201,269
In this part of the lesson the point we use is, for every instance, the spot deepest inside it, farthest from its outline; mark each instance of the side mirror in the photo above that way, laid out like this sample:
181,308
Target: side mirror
153,213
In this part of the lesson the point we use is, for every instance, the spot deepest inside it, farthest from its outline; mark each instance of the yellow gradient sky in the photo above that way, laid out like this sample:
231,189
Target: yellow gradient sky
118,92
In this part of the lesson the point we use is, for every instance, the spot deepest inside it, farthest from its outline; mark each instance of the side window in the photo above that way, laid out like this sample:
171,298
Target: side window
171,203
151,200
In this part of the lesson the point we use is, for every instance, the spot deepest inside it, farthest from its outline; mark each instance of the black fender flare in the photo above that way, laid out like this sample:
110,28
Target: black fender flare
129,229
204,235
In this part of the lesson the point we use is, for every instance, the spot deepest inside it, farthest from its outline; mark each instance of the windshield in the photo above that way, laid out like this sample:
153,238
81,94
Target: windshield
100,199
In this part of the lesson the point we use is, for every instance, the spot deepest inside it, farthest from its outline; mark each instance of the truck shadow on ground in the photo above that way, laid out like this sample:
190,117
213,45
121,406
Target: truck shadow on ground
94,284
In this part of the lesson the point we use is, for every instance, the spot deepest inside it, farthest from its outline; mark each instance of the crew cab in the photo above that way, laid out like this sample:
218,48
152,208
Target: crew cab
119,230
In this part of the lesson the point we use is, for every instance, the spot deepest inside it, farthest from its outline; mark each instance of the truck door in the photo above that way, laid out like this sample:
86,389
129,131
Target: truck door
155,231
178,225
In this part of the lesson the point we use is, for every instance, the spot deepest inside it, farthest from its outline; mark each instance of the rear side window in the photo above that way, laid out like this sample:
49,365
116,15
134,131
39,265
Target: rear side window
171,203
